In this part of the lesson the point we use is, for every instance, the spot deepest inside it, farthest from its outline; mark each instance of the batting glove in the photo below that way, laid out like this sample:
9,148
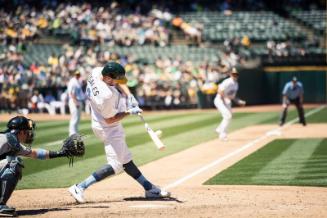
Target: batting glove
135,110
131,102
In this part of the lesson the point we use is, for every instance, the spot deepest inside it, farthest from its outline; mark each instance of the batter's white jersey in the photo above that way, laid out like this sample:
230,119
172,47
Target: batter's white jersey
106,101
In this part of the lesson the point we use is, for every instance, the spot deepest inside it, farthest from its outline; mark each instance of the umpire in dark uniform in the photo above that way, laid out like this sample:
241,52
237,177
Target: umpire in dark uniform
293,93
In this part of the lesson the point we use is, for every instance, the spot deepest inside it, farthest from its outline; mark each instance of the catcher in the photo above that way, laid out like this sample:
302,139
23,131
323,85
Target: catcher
20,130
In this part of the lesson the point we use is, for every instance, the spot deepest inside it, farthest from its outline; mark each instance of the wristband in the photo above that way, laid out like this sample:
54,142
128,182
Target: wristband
41,154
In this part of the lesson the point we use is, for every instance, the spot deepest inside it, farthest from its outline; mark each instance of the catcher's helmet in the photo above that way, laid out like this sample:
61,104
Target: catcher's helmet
21,123
115,71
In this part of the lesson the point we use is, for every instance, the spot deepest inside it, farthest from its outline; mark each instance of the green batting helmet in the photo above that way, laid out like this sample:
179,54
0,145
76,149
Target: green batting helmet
115,71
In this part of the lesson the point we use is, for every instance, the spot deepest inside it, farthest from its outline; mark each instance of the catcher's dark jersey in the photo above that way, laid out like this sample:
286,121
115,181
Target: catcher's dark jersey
9,145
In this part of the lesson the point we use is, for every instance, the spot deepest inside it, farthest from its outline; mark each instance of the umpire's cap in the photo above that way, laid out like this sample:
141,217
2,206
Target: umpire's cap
115,71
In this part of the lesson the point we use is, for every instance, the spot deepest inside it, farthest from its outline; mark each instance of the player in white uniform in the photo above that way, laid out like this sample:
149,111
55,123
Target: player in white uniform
106,93
76,98
226,94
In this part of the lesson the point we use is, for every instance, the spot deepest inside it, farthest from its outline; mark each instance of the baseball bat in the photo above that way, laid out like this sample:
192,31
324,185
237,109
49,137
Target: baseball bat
152,134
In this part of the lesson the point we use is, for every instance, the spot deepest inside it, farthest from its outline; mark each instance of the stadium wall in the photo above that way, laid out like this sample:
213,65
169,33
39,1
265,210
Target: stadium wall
265,85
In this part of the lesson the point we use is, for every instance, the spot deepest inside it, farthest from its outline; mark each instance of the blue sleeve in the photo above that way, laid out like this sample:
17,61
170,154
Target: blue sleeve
41,154
286,87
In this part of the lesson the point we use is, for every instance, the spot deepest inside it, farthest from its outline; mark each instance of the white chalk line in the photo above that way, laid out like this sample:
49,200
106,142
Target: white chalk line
238,151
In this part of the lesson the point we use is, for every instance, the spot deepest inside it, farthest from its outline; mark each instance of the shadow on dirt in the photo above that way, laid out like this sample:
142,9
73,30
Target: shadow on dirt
93,204
152,199
38,211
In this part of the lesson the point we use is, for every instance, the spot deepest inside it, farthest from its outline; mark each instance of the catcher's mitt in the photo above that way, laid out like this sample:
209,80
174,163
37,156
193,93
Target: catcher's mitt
73,146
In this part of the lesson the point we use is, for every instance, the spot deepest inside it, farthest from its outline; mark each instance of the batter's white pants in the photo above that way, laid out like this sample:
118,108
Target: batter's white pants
75,116
226,113
115,146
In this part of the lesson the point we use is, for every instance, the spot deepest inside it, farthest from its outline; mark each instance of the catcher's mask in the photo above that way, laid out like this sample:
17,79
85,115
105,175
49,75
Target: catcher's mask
21,123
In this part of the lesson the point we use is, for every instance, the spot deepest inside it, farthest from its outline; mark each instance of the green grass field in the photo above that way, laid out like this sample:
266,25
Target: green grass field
187,129
301,162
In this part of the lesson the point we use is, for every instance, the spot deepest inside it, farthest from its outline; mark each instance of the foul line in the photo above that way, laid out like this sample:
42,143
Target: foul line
244,147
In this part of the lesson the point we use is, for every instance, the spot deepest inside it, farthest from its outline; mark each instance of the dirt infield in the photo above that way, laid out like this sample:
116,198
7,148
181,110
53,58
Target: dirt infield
183,174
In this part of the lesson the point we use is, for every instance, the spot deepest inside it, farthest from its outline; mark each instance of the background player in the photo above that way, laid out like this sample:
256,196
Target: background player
20,130
223,101
76,99
108,107
293,93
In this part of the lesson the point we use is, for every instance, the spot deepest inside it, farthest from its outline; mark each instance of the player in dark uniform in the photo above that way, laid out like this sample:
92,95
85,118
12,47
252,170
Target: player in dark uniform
14,142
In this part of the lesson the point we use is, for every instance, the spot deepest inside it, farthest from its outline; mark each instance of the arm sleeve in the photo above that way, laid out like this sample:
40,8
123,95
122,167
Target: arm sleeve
285,89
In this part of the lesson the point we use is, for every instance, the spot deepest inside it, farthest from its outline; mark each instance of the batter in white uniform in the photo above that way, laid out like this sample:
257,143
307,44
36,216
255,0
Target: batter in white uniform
226,94
76,99
106,93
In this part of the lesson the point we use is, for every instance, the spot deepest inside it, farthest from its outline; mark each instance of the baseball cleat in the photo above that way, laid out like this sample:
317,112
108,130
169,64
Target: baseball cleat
6,211
156,192
77,193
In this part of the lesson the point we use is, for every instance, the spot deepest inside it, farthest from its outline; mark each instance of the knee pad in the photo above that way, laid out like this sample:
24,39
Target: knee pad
103,172
9,177
13,168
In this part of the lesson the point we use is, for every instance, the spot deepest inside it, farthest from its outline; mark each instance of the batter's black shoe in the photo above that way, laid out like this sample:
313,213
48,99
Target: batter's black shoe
6,211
